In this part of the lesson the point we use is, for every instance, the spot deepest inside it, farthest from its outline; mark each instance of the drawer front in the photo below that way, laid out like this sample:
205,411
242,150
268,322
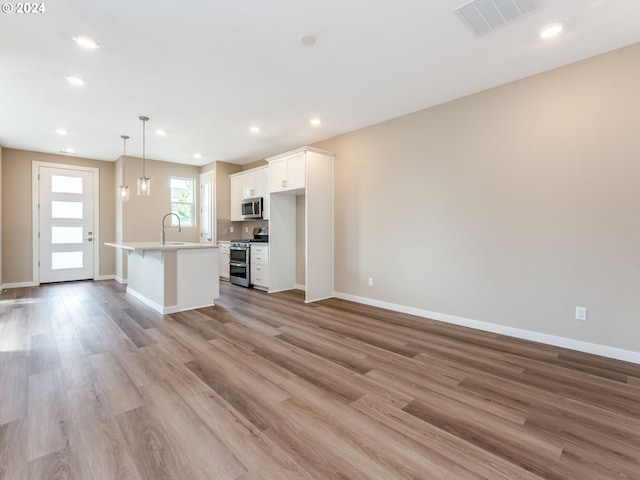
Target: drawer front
258,259
260,249
260,275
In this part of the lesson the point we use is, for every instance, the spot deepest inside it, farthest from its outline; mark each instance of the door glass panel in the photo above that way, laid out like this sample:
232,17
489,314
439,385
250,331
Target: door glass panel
66,235
64,184
64,260
61,209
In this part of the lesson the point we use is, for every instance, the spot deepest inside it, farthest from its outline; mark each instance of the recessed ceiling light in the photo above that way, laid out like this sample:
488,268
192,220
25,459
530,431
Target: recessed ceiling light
307,40
61,131
68,150
86,42
254,129
197,155
75,80
161,132
551,30
315,122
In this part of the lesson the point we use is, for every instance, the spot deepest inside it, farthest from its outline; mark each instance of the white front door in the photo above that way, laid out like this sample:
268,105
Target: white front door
66,224
207,208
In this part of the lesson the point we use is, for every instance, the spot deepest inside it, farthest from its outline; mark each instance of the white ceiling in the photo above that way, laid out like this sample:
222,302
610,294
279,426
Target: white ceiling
206,70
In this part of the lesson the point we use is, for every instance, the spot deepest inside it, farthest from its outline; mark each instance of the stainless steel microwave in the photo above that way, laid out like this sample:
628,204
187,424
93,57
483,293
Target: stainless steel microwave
251,208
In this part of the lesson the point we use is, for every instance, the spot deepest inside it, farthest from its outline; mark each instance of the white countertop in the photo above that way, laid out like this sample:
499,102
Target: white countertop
159,246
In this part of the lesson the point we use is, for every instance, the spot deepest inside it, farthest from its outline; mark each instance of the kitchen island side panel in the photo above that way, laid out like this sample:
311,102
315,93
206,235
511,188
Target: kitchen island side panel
152,278
197,278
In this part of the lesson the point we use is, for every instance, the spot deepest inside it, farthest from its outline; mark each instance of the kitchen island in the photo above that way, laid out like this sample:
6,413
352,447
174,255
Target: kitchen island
173,276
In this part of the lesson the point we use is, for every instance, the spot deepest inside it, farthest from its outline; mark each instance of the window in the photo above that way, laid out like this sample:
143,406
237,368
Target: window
182,201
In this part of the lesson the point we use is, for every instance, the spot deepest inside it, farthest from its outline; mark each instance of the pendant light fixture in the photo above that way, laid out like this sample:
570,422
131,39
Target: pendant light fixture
144,183
123,190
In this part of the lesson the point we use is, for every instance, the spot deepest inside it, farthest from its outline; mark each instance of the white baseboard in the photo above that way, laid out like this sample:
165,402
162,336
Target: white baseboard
150,303
301,287
586,347
18,285
281,290
120,280
105,277
318,299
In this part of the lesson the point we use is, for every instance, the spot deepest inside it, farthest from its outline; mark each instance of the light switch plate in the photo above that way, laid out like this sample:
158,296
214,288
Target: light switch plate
581,313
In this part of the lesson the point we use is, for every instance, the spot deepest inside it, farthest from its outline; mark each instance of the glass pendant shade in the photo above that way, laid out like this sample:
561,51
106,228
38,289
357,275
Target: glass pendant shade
123,193
144,186
123,190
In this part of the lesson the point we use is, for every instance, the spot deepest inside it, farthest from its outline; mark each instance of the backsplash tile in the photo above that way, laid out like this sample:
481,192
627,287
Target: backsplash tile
239,228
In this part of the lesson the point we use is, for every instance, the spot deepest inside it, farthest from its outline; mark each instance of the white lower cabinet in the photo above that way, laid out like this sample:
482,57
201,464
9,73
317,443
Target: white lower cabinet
260,276
224,260
259,264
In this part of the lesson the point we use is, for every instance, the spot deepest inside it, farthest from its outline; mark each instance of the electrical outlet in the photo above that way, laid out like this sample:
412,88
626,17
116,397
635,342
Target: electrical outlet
581,313
230,229
246,229
371,281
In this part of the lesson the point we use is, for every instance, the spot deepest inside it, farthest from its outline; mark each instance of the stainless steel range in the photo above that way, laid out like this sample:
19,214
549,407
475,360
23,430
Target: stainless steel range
240,254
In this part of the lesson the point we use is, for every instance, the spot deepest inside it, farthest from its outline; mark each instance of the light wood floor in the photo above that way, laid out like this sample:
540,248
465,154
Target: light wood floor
94,385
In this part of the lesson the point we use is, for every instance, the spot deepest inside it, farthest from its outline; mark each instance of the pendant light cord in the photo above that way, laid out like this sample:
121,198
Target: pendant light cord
143,181
124,156
144,121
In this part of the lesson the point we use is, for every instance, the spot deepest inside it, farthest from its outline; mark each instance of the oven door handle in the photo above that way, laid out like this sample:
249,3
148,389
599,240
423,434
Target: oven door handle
238,264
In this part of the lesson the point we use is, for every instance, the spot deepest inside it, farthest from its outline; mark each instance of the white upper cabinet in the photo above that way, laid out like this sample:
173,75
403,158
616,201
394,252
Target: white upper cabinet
249,184
255,183
237,194
287,173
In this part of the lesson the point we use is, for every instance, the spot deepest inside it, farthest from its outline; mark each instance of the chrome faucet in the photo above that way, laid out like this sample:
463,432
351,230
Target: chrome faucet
162,237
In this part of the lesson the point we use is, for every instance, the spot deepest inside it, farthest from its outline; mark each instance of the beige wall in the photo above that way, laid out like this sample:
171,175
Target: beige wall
512,206
257,163
17,250
142,216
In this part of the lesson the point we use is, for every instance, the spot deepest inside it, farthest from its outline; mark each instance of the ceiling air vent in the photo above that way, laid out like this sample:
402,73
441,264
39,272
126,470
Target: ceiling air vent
484,16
